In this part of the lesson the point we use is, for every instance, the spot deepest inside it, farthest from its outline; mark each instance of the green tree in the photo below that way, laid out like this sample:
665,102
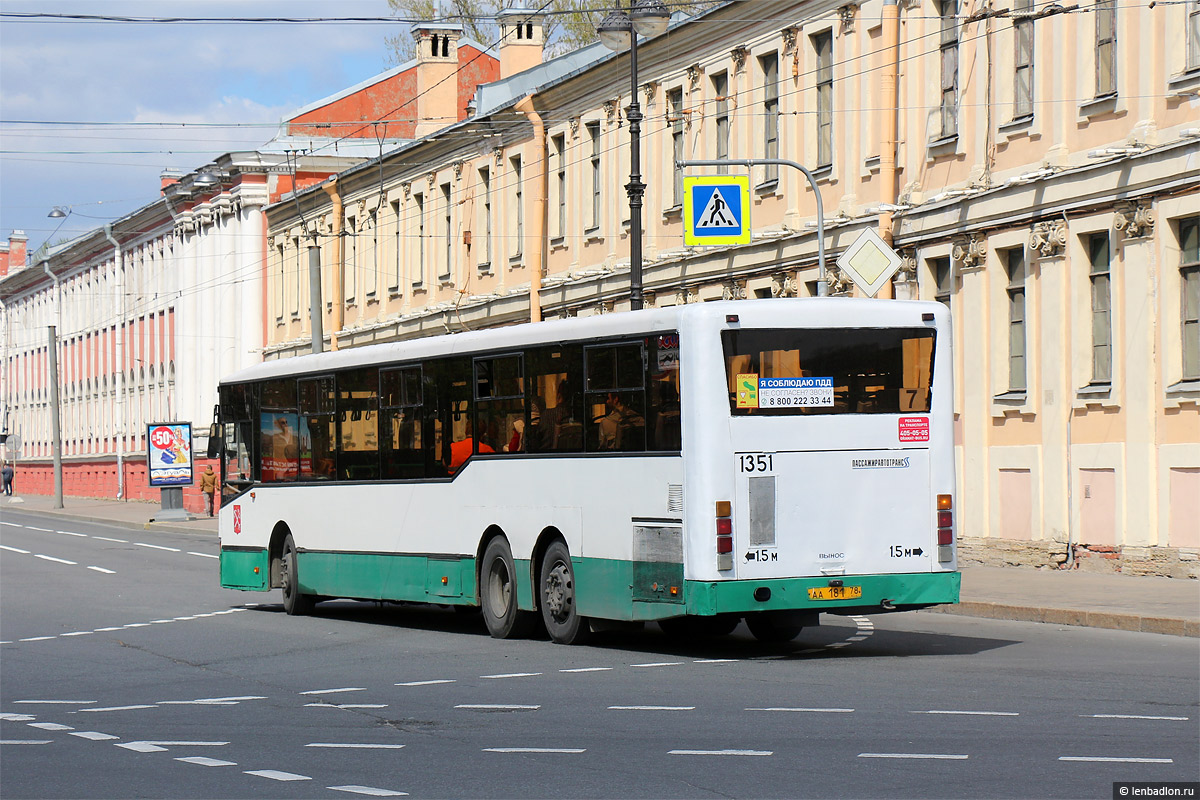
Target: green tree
568,26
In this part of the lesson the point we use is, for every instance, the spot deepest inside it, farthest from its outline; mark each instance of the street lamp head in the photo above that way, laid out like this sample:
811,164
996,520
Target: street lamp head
649,17
616,31
59,212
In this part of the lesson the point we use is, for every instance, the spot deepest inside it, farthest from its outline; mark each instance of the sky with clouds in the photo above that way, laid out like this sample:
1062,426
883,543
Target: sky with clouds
231,83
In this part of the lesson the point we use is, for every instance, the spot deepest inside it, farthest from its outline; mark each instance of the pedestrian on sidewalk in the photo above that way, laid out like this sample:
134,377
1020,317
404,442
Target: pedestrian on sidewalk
208,485
6,474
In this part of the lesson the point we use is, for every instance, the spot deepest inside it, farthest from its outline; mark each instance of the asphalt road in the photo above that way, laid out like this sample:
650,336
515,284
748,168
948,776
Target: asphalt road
125,671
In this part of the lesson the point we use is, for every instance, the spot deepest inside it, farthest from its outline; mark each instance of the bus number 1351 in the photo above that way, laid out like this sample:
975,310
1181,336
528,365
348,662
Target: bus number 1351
756,462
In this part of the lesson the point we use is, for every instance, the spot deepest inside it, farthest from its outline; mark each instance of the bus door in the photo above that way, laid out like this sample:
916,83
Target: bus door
830,436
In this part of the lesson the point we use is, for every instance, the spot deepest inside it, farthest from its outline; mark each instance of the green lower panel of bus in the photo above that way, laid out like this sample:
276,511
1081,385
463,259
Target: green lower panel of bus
434,579
245,569
900,590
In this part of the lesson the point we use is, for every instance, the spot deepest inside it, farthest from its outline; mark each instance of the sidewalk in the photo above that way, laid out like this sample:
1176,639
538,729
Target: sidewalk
1152,605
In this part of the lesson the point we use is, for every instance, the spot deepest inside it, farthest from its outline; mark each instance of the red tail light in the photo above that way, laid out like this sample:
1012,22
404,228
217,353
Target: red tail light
725,527
724,544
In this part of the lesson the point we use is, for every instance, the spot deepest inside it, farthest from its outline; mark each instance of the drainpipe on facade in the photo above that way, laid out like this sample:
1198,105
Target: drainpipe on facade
339,265
539,206
52,356
889,108
118,332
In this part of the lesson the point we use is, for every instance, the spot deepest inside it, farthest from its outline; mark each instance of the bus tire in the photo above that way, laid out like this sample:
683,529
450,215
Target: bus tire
775,627
558,598
295,603
498,593
699,627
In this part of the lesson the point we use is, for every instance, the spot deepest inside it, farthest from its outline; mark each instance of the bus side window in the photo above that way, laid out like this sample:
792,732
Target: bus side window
279,431
401,423
499,404
318,429
662,373
358,418
615,397
556,404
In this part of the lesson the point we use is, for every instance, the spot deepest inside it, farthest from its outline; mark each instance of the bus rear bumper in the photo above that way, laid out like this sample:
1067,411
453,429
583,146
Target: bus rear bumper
897,592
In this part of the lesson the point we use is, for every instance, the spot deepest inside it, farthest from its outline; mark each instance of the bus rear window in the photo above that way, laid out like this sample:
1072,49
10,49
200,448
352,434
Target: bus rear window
774,372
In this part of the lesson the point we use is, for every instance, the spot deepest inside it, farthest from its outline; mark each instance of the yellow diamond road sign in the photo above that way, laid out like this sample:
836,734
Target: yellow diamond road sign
869,262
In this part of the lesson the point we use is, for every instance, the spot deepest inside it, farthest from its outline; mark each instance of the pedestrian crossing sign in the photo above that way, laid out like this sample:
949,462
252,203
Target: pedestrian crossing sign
716,210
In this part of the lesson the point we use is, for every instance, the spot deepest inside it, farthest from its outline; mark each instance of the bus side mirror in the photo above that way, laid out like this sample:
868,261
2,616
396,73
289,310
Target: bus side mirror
215,441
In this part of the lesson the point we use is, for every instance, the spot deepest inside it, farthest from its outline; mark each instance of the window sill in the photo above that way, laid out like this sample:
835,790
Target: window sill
1105,104
1184,388
485,268
767,187
673,214
516,261
1184,85
1095,390
1015,397
871,164
1011,404
1017,125
592,236
945,146
823,173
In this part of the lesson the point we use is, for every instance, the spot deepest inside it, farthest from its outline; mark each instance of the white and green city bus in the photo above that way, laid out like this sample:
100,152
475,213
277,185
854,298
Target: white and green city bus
763,460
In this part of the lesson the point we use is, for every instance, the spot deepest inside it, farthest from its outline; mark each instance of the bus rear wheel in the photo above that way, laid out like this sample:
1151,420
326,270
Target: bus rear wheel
498,594
559,611
775,627
295,603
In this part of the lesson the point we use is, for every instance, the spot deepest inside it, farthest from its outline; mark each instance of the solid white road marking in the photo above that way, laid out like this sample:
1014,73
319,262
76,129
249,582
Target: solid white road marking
1132,716
94,736
367,790
651,708
534,750
14,549
56,560
207,762
276,775
350,746
424,683
808,710
588,669
939,756
1118,760
102,569
116,708
336,691
106,539
492,707
973,713
659,664
512,675
158,547
25,741
721,753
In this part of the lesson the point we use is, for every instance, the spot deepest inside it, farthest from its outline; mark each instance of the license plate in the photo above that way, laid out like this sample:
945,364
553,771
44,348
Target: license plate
835,593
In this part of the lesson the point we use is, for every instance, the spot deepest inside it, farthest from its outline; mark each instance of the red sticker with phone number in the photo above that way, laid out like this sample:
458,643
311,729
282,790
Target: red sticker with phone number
914,429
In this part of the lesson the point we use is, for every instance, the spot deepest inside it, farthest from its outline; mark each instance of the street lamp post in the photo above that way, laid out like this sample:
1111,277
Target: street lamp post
619,31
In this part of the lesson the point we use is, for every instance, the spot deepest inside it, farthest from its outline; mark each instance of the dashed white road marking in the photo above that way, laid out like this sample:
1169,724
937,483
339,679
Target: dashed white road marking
337,691
14,549
116,708
807,710
1133,716
70,533
102,569
354,746
202,555
159,747
588,669
25,741
50,726
512,675
534,750
651,708
937,756
495,707
11,524
78,633
56,702
659,664
276,775
1118,760
94,736
212,701
367,790
345,706
207,762
157,547
425,683
973,713
43,530
37,639
716,661
56,560
107,539
721,753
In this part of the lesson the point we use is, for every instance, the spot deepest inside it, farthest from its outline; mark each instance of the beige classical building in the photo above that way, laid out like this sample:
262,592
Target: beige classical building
1045,185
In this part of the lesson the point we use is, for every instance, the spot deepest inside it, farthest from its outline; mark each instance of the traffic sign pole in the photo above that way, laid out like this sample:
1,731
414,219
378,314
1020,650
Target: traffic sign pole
822,288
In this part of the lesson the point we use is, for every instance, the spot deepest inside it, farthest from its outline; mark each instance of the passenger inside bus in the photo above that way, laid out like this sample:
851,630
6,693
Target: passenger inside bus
462,449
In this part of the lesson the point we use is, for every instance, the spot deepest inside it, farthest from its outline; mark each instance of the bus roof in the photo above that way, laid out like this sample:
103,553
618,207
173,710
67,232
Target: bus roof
800,312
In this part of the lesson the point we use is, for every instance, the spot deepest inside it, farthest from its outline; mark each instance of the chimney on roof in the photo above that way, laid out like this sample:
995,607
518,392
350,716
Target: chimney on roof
522,38
12,257
437,75
169,177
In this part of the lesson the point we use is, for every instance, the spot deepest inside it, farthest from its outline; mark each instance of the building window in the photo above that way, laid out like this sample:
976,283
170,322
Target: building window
943,280
485,186
371,262
770,73
1193,35
301,277
675,106
823,47
447,234
593,132
1106,47
1023,59
720,85
948,10
280,286
518,207
419,230
1189,290
1015,268
1099,259
393,278
560,182
350,259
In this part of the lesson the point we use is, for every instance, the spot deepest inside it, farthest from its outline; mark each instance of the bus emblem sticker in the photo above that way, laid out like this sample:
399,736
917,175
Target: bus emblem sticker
795,392
237,519
914,429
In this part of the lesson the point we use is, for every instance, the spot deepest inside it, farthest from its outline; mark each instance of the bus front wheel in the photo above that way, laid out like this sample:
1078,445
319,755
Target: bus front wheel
559,612
498,594
294,603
